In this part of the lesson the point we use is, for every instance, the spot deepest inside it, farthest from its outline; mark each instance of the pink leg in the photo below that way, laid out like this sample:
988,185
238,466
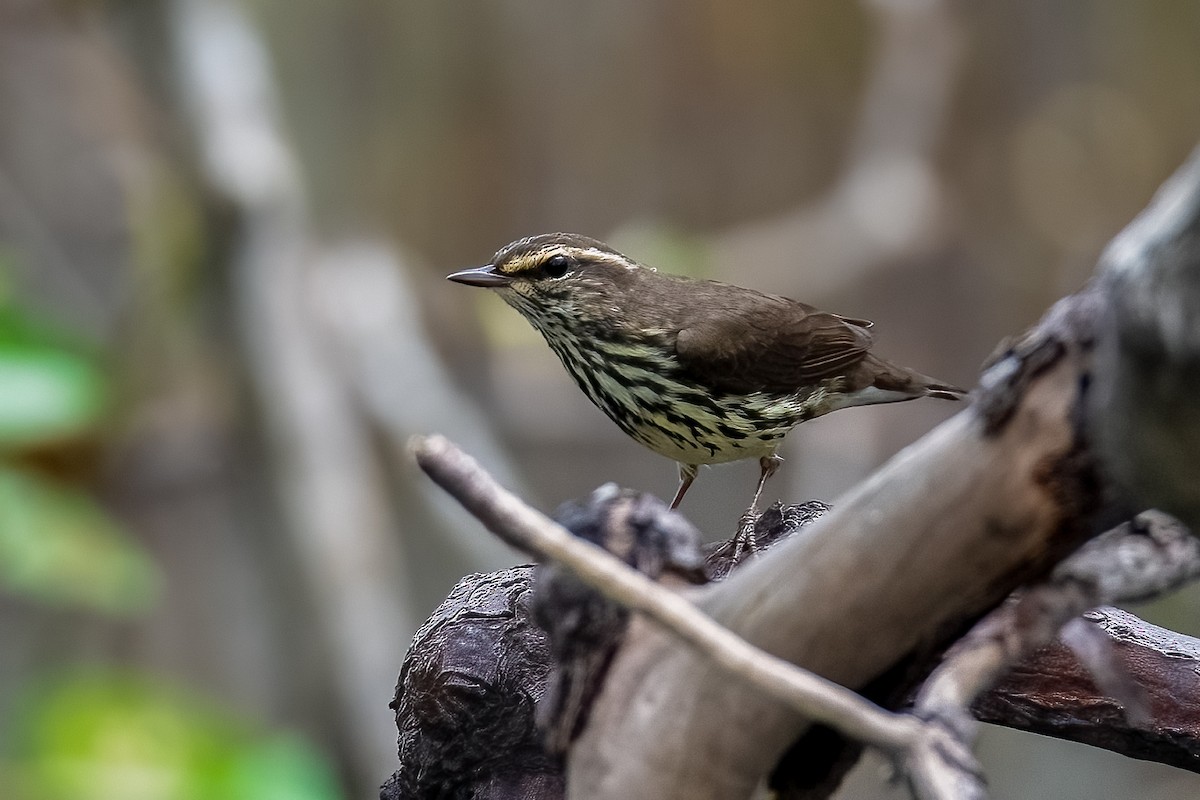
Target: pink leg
769,465
687,474
744,541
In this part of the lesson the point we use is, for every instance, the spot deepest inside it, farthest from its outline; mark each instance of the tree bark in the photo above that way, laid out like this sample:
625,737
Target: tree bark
1054,695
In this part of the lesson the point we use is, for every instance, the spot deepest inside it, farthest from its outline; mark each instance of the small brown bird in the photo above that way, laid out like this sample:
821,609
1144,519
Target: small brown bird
701,372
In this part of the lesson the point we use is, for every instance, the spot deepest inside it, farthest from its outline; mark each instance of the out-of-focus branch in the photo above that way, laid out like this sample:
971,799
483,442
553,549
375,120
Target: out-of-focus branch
1145,407
337,353
328,480
888,202
363,299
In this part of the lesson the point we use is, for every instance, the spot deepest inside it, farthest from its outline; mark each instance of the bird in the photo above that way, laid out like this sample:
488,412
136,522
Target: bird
699,371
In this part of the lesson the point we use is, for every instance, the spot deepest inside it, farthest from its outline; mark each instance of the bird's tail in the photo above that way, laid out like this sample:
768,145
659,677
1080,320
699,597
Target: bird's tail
891,377
945,391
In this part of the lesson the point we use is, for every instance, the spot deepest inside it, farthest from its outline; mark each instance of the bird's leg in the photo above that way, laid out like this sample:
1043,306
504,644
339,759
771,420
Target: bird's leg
687,474
769,465
744,541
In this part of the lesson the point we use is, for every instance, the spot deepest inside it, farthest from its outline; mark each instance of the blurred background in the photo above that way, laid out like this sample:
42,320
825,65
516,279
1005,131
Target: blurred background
224,228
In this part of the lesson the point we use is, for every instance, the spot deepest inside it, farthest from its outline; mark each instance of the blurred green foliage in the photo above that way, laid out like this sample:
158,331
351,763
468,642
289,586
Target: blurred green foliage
102,735
48,390
57,544
98,734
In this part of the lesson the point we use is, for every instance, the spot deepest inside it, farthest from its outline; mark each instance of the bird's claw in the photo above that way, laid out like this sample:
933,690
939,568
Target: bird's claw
744,541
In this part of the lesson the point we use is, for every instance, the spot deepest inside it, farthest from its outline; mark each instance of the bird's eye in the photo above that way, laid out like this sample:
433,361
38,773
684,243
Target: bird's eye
556,266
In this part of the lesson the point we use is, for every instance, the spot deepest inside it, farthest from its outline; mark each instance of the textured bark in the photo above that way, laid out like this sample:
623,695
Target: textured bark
465,699
1053,694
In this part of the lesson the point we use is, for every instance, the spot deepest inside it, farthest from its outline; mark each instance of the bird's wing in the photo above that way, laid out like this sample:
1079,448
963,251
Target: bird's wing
771,345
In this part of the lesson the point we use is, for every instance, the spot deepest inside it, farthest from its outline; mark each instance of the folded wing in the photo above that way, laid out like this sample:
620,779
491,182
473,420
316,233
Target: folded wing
775,345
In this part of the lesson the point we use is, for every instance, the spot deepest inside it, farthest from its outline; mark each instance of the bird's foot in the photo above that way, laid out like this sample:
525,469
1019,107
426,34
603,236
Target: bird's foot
745,543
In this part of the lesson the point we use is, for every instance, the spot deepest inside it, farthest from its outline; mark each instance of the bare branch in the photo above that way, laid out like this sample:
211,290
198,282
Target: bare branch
1055,694
1152,554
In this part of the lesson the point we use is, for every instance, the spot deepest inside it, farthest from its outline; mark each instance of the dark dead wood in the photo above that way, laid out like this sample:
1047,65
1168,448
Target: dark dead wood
466,697
585,627
1051,693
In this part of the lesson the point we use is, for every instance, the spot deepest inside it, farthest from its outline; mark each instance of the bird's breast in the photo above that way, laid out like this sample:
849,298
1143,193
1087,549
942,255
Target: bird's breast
641,387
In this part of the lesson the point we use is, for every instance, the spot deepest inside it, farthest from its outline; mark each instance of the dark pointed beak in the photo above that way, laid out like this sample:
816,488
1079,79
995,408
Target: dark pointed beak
481,276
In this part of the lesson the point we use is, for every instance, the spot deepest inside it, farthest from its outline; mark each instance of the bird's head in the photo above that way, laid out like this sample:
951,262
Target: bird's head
554,274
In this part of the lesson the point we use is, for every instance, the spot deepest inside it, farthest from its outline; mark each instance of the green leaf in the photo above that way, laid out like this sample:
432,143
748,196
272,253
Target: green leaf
48,390
59,546
46,395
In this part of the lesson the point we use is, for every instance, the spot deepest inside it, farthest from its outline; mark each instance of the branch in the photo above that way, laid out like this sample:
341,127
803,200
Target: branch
1053,693
1146,557
532,532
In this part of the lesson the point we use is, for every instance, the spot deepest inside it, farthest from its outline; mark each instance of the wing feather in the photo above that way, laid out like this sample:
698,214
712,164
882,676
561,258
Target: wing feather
776,345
